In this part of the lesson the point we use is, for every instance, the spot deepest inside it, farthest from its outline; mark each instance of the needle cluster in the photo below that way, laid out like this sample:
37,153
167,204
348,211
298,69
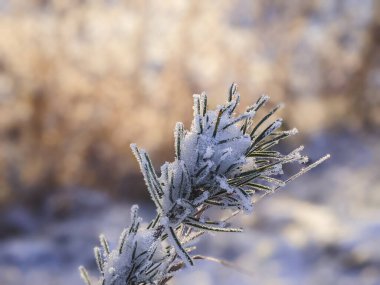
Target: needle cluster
224,161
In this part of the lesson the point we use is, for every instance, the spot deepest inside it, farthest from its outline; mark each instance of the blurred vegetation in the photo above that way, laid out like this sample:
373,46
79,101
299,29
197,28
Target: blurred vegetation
81,80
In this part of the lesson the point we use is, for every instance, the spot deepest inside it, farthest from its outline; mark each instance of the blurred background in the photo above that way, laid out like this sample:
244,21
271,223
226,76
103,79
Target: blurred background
80,80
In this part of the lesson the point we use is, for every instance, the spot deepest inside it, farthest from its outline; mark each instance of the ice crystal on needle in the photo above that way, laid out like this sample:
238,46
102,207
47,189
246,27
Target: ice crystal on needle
140,257
223,161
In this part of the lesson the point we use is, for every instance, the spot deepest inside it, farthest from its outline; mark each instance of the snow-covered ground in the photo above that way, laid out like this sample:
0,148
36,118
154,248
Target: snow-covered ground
323,229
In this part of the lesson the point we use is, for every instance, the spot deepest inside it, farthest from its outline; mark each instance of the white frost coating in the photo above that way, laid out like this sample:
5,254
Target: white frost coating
197,104
134,211
209,152
213,152
203,197
214,155
222,161
265,98
198,147
223,184
142,259
218,155
245,200
261,102
226,153
293,131
149,174
250,163
176,185
119,266
204,171
165,221
176,243
273,127
274,170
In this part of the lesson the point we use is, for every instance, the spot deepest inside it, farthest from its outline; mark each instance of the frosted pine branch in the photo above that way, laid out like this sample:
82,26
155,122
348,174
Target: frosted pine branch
223,161
139,258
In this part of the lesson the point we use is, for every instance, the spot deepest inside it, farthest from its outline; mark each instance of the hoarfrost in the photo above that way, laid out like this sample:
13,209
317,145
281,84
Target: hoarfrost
222,161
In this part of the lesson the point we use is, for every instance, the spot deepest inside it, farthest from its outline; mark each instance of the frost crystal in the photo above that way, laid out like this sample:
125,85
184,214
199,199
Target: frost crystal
140,257
225,161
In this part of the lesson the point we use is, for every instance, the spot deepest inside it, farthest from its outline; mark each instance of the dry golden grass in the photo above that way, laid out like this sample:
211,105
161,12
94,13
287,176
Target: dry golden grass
81,80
